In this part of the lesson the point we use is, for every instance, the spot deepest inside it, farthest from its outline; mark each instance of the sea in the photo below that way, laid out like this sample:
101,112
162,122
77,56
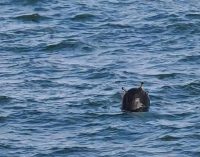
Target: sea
63,64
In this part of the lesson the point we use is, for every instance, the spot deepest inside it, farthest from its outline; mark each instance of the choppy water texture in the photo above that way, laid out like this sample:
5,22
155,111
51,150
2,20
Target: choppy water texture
62,66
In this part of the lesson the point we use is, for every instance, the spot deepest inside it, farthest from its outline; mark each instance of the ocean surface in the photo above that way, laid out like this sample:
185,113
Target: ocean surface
62,66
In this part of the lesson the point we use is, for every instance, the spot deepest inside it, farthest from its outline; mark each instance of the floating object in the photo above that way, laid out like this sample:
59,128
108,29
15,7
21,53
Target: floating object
135,100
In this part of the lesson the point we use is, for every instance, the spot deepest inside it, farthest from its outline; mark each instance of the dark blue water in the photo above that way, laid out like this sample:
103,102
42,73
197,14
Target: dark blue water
62,66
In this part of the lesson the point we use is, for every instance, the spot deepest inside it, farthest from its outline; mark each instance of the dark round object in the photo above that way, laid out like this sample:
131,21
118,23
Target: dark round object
136,100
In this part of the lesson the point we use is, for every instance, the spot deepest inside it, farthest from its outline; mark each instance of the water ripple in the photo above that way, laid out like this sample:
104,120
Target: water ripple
70,45
63,64
83,17
31,17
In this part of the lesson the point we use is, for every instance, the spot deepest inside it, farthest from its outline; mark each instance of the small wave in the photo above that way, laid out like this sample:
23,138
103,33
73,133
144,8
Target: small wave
169,138
4,99
150,28
71,45
32,112
192,16
6,36
55,151
104,115
41,82
116,25
193,58
165,76
182,90
3,118
182,27
100,75
160,17
79,149
83,17
183,114
4,146
193,87
25,2
31,17
166,87
92,103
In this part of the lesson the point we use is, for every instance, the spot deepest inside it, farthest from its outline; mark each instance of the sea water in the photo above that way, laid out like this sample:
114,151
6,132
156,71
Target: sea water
62,66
